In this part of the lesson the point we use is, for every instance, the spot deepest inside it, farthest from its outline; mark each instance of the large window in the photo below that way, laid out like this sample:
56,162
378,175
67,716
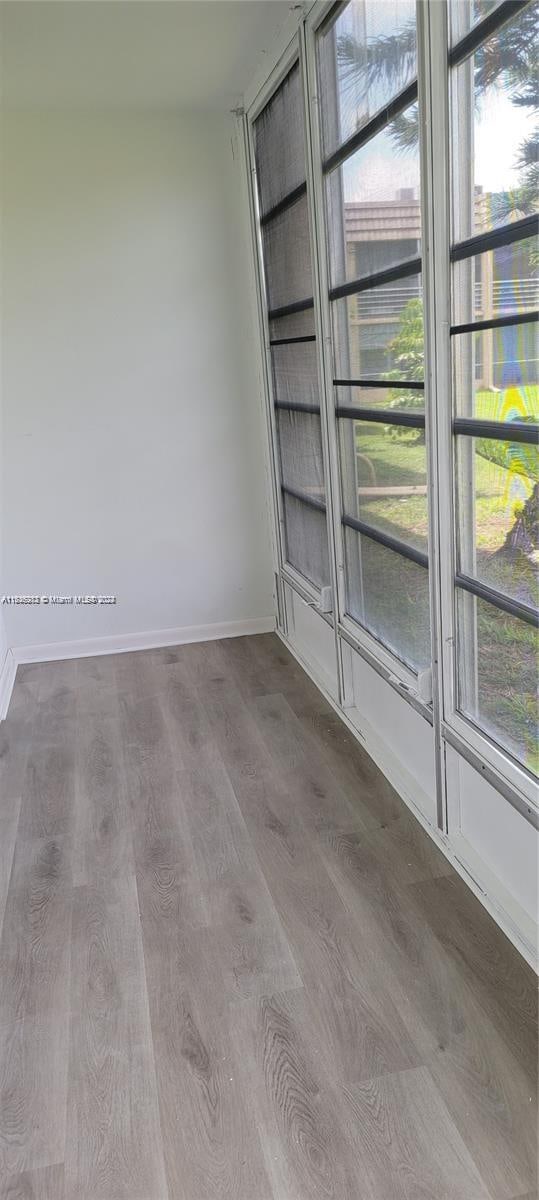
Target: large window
367,78
284,223
495,378
423,170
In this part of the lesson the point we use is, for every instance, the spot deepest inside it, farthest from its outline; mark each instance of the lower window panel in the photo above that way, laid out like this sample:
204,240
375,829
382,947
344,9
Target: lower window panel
295,375
498,514
300,448
384,478
497,676
306,540
389,595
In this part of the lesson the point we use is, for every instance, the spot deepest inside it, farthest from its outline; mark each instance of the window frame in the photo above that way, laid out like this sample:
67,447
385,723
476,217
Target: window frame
450,727
510,777
401,676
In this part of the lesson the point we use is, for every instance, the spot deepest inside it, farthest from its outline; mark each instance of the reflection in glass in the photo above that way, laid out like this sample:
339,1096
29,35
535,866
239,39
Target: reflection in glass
498,683
464,14
383,396
496,373
495,141
499,283
389,595
373,202
498,514
365,57
385,479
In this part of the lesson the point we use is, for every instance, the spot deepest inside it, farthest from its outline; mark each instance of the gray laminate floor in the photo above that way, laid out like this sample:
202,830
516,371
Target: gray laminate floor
232,965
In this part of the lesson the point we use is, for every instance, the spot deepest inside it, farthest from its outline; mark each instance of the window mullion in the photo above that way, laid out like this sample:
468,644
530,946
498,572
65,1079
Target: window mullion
434,126
321,284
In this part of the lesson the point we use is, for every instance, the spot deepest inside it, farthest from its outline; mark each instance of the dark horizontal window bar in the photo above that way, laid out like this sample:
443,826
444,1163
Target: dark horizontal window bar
288,310
411,267
309,337
286,202
283,406
484,29
515,608
386,540
497,322
413,384
381,416
376,123
501,431
303,498
516,231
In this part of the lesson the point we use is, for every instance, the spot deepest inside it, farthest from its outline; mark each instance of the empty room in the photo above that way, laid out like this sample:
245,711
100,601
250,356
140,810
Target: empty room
269,538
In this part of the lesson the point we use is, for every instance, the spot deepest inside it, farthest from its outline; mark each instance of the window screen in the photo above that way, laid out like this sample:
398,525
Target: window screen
367,75
495,359
286,248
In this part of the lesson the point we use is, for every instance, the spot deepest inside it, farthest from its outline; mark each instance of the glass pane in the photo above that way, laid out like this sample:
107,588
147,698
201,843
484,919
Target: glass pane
374,197
496,373
279,143
389,595
287,256
365,58
295,374
384,479
378,334
498,676
498,511
384,397
300,444
306,541
495,166
464,14
498,284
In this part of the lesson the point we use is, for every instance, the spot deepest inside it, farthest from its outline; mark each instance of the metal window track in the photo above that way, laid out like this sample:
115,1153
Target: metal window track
515,608
505,235
484,29
384,539
411,267
497,322
303,498
381,416
501,431
375,125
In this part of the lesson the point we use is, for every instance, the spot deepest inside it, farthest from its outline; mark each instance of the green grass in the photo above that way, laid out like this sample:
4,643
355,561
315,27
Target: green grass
507,660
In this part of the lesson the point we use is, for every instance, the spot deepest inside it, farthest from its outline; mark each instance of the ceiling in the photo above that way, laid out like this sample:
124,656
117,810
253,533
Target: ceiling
153,54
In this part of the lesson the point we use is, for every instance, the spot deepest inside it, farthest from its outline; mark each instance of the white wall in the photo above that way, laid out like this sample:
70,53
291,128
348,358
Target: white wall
133,444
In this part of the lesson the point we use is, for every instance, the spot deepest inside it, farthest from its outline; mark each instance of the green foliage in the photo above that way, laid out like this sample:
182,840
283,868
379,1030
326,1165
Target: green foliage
406,349
515,457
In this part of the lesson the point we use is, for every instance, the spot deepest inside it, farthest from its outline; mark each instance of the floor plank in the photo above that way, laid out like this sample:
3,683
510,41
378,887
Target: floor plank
113,1144
233,964
46,1183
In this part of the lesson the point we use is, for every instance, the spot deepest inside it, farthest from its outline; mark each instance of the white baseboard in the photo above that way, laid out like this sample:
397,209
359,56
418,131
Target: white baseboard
7,679
149,640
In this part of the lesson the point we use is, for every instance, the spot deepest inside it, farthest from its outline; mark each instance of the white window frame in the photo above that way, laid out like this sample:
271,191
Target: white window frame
450,727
